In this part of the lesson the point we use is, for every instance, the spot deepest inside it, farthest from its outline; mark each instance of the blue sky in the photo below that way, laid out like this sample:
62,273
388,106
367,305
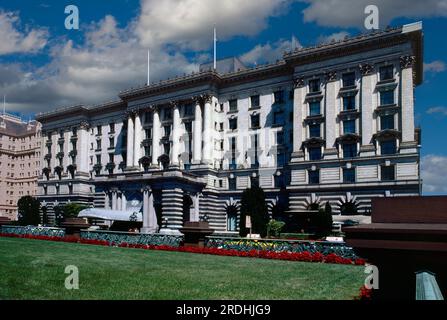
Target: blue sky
44,66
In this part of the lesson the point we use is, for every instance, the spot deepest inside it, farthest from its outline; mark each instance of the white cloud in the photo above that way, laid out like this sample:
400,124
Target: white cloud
269,53
12,40
110,60
188,24
437,110
435,66
346,13
337,36
434,170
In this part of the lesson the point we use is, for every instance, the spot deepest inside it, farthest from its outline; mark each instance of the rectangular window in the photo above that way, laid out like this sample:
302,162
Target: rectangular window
233,105
254,182
348,79
314,85
387,173
167,131
148,133
349,126
98,144
233,153
112,142
147,151
314,108
188,110
99,130
232,123
98,159
278,118
254,121
314,177
254,146
254,101
112,127
279,96
281,159
349,150
387,122
232,183
386,73
348,103
314,131
188,127
168,114
388,147
314,153
279,137
349,175
386,97
111,157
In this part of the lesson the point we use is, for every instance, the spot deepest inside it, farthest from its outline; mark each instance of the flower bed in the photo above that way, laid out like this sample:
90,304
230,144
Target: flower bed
264,254
117,237
279,245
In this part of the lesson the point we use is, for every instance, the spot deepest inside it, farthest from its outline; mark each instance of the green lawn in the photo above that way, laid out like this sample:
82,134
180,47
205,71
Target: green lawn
32,269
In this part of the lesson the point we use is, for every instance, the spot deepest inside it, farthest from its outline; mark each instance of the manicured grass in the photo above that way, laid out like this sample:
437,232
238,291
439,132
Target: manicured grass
33,269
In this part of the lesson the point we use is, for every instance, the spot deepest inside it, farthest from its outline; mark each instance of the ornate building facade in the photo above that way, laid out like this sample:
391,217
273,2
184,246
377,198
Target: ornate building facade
19,162
332,123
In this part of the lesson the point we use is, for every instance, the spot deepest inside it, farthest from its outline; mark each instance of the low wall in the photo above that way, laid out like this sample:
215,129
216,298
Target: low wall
116,238
245,244
33,230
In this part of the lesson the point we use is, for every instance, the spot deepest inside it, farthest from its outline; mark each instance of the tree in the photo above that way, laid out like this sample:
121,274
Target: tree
253,204
28,208
322,221
72,209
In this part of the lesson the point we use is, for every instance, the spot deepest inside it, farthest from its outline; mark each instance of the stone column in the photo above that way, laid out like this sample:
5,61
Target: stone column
114,200
207,138
330,112
195,216
367,109
175,135
407,99
156,135
119,202
299,95
107,200
130,142
197,139
123,201
82,147
137,140
149,216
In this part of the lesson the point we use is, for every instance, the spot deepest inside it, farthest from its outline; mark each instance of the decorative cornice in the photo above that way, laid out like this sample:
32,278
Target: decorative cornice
84,125
366,69
407,61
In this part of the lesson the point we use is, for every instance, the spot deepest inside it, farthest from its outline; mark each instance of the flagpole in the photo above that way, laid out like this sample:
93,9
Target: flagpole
215,52
148,67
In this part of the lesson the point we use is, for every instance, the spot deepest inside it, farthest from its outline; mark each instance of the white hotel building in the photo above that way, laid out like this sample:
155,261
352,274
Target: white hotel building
332,123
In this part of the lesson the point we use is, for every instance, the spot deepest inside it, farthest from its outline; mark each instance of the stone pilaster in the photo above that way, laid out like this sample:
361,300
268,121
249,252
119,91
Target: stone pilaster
137,140
208,140
195,216
407,100
367,109
197,140
83,145
330,115
156,135
114,200
175,135
130,141
299,95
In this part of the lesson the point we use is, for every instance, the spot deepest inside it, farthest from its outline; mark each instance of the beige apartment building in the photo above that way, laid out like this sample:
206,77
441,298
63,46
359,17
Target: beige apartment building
19,161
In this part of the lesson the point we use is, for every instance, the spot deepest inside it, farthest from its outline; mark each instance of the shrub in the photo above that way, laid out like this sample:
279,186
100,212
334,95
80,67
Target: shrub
274,228
28,209
253,204
72,209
